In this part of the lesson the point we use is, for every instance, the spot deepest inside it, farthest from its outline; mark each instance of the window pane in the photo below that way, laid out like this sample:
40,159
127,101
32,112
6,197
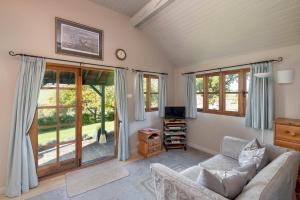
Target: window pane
66,151
154,85
47,156
154,100
49,79
145,84
232,82
46,138
67,116
213,84
247,81
67,97
200,101
46,146
67,79
232,102
47,97
145,100
199,85
47,117
213,101
67,133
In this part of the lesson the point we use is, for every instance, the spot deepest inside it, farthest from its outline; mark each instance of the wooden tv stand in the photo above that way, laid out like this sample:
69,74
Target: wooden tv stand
174,136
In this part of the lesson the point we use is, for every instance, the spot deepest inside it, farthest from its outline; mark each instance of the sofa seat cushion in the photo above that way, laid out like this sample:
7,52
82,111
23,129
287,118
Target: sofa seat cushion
220,162
226,183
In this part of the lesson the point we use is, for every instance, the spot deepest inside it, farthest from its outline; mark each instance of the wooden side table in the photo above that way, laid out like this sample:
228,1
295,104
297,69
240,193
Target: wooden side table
149,142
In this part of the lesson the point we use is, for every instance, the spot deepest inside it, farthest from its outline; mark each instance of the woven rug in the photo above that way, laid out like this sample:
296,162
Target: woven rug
138,185
147,183
83,180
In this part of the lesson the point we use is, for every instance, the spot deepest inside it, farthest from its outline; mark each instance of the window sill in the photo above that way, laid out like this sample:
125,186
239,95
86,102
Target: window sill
152,110
232,114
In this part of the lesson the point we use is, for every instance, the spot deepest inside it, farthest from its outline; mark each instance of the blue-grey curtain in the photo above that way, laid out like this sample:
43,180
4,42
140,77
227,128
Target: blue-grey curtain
121,101
21,165
255,96
162,95
139,106
190,96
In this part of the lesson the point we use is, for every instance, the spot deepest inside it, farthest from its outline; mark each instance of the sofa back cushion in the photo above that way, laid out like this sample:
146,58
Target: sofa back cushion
232,148
274,151
276,181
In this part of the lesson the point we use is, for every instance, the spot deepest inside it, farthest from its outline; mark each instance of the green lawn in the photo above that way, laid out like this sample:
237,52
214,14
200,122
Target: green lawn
69,133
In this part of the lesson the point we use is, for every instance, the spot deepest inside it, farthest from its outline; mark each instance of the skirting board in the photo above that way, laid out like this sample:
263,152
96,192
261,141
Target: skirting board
202,148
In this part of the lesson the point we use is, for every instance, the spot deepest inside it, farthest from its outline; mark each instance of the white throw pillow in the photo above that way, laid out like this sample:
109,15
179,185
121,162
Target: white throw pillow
226,183
253,153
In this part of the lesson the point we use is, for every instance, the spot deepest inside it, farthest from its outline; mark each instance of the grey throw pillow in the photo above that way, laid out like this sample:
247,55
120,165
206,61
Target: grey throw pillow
253,153
226,183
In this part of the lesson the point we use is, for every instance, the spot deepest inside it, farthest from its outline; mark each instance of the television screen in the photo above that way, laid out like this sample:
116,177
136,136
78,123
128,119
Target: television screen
174,112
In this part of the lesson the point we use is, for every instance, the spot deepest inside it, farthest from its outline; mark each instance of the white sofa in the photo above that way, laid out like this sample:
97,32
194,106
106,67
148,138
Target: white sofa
276,181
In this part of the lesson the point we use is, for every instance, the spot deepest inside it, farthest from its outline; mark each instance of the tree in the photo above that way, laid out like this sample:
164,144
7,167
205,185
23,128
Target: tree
91,102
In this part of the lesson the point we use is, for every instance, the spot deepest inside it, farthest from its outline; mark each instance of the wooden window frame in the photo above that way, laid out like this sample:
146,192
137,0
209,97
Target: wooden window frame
242,91
148,93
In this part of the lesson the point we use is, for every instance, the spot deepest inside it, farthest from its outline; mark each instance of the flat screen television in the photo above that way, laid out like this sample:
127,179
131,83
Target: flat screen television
174,112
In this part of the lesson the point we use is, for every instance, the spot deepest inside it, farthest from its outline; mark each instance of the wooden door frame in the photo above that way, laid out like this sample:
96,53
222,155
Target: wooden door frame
33,133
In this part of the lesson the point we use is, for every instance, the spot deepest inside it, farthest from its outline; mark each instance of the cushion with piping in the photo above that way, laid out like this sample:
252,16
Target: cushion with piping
226,183
253,153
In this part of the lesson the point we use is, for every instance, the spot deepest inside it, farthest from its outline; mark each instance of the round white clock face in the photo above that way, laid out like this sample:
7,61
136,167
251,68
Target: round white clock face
121,54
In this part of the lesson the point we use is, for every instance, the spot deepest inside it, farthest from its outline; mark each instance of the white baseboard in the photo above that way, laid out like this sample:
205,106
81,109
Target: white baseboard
202,148
2,190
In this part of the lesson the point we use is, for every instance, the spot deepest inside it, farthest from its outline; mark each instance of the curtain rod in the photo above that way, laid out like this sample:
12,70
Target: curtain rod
11,53
232,66
137,70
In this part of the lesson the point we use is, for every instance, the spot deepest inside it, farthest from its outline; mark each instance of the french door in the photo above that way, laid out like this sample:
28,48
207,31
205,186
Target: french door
57,130
75,109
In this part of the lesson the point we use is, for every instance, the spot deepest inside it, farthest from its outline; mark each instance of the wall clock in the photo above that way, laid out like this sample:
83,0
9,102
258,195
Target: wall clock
121,54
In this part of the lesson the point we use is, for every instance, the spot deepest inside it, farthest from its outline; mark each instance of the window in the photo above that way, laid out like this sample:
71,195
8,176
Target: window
213,92
151,92
223,92
231,92
200,92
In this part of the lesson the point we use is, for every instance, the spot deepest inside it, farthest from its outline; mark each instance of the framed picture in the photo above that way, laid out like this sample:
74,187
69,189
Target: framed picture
78,40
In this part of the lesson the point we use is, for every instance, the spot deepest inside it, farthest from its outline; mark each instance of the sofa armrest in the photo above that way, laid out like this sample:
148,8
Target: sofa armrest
232,146
171,185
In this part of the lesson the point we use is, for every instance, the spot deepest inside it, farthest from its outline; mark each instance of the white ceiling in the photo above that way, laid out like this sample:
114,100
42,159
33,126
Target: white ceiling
190,31
125,7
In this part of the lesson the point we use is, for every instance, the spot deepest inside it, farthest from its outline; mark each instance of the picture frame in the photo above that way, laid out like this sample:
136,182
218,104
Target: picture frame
79,40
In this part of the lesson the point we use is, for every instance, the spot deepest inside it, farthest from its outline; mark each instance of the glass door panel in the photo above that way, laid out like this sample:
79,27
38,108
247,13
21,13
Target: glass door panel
75,119
57,117
97,115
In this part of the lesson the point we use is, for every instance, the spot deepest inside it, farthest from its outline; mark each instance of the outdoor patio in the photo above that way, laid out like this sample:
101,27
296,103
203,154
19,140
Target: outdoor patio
91,150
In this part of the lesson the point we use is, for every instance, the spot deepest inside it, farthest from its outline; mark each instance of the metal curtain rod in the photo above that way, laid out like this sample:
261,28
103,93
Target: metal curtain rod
137,70
71,61
232,66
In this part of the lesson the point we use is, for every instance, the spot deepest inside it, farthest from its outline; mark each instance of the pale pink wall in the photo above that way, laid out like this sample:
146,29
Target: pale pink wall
27,26
207,131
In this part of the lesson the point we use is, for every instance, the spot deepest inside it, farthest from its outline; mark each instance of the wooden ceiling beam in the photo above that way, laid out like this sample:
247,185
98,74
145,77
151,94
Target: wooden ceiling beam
150,9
